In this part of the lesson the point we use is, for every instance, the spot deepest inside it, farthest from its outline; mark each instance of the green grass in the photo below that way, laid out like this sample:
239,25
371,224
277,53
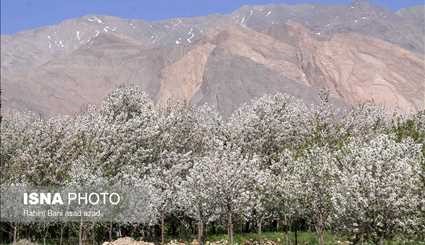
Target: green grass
303,238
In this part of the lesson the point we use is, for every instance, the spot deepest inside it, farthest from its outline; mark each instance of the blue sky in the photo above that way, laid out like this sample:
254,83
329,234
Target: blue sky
19,15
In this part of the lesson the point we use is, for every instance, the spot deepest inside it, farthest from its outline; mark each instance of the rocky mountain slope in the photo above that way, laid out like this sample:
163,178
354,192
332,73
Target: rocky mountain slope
359,52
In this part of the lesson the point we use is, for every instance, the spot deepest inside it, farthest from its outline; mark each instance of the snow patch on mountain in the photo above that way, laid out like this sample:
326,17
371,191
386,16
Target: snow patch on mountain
95,19
192,35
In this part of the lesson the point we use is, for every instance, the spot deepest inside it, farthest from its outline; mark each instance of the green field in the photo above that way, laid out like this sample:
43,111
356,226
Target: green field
303,238
280,238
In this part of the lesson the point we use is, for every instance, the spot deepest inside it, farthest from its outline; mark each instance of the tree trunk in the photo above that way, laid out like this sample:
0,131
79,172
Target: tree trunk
143,233
285,230
61,233
15,233
80,232
93,233
201,232
320,227
296,236
45,233
381,241
277,225
287,239
110,231
321,239
260,226
230,227
162,229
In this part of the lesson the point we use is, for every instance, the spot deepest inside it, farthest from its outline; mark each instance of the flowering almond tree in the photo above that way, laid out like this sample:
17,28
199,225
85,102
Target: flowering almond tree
183,133
114,139
378,194
312,179
285,186
164,177
15,127
366,121
263,205
230,179
268,125
46,159
198,196
126,128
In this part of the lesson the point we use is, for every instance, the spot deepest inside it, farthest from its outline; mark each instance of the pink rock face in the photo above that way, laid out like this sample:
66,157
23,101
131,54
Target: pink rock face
364,69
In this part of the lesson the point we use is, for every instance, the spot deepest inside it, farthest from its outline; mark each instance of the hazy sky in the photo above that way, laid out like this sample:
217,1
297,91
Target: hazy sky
18,15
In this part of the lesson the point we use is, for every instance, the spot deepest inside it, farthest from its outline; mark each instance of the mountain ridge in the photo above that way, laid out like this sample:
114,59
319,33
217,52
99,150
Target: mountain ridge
60,68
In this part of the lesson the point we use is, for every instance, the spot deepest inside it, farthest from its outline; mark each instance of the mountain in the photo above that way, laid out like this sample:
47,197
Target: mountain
360,52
